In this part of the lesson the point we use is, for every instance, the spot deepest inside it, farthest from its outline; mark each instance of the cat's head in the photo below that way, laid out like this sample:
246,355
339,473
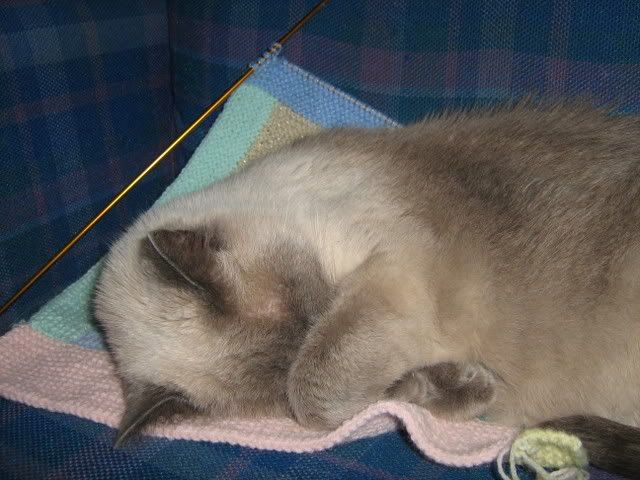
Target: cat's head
206,319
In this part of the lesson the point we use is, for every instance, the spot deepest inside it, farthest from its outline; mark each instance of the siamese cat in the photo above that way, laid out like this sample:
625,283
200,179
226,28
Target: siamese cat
477,263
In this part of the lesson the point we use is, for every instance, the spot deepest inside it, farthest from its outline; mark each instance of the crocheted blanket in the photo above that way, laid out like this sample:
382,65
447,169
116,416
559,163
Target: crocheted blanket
57,360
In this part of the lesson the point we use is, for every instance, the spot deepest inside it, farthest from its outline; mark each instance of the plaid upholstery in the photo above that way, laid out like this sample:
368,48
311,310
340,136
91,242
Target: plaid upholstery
90,90
413,57
37,444
43,444
85,102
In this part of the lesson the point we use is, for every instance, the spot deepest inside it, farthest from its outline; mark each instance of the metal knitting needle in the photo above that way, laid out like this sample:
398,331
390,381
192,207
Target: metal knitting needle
210,109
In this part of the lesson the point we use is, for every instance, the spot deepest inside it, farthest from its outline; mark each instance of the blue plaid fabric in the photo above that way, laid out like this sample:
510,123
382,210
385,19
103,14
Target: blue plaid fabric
85,102
409,58
91,90
37,444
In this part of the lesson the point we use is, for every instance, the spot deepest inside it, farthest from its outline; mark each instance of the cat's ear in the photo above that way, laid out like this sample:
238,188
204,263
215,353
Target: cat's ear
145,404
188,257
188,253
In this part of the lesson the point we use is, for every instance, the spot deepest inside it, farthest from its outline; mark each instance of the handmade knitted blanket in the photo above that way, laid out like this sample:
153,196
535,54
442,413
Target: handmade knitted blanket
57,360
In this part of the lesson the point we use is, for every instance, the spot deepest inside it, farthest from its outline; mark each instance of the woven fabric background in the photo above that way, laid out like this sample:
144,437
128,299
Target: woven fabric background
409,58
61,446
85,101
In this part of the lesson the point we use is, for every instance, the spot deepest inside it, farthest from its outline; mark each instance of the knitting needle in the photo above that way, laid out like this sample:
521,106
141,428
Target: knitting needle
210,109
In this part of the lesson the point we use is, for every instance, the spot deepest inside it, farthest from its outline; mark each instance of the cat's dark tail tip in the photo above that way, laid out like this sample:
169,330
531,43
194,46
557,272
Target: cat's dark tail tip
611,446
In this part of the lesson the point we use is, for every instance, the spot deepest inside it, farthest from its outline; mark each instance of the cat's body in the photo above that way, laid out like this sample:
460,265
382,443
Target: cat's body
314,280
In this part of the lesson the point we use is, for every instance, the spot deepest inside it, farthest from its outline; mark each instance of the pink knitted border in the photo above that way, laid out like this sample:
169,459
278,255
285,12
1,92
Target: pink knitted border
61,377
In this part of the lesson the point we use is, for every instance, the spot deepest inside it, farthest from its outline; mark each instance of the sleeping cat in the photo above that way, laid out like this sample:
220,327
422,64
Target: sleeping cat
479,263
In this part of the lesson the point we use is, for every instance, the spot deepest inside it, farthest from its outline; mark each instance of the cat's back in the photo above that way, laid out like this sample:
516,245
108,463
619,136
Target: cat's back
525,160
555,189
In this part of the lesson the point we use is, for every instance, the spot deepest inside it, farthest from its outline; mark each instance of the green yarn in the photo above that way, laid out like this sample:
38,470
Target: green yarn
551,449
541,449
